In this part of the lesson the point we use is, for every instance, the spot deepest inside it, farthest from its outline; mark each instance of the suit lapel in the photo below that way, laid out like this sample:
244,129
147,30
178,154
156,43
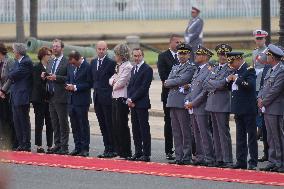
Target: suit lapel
171,58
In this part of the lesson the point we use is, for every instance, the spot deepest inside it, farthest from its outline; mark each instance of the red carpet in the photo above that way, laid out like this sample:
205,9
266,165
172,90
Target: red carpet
158,169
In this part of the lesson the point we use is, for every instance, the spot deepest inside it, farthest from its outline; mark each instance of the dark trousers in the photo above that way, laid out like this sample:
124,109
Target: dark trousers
246,131
141,131
120,128
104,117
168,130
8,137
80,126
60,124
264,137
42,116
22,125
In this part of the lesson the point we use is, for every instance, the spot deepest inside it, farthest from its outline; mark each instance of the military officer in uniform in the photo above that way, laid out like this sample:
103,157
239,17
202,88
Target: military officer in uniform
219,105
180,76
243,101
193,32
259,61
269,101
195,102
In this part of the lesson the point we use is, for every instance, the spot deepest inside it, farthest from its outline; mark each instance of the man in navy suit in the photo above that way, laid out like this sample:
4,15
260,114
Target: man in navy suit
139,102
102,69
21,89
243,101
79,84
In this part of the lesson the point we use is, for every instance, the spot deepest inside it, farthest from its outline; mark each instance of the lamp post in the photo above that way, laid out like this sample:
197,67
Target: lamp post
281,23
265,19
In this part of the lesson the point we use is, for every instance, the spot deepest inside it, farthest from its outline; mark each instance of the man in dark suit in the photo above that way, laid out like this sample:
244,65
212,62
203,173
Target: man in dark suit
139,102
243,102
57,70
78,84
102,69
166,60
21,88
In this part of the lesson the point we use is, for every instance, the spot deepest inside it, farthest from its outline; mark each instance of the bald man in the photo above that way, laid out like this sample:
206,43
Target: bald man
102,69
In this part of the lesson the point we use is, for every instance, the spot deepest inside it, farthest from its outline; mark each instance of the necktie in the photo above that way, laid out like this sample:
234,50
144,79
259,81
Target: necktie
54,66
99,63
75,72
176,59
136,69
220,68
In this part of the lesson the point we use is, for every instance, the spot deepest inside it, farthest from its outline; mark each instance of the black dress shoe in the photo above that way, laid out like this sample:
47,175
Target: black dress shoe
176,162
226,165
170,156
185,162
134,157
199,163
74,152
20,148
84,153
40,150
53,150
280,170
263,159
62,152
238,166
112,154
269,167
144,158
252,167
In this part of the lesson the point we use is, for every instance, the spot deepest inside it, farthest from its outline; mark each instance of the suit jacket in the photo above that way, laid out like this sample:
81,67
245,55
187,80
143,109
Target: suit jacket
60,94
165,63
21,77
139,85
7,67
272,92
219,96
179,76
193,33
197,94
243,100
100,78
83,80
120,80
39,92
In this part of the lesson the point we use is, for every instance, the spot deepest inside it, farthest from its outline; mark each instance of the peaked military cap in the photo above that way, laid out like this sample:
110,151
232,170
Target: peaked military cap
231,56
260,33
195,8
184,48
203,51
223,48
274,51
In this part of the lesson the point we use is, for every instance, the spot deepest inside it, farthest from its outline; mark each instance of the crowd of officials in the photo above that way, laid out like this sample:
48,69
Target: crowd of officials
197,101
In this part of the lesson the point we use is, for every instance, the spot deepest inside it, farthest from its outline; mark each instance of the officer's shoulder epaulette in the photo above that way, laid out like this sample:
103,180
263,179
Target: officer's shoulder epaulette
249,68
